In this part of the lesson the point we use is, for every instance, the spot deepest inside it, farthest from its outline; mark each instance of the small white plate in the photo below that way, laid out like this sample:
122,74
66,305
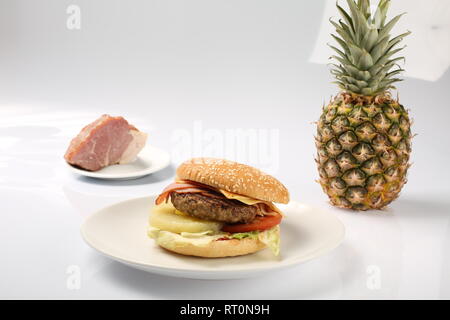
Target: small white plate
149,160
119,232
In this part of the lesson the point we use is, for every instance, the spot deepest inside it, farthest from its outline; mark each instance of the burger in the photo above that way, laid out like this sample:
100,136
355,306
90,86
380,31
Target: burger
218,208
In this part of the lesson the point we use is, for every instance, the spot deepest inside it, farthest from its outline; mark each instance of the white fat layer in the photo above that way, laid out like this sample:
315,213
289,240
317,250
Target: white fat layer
137,143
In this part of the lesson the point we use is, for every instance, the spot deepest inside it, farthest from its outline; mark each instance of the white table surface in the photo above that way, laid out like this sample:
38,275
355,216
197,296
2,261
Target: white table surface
171,75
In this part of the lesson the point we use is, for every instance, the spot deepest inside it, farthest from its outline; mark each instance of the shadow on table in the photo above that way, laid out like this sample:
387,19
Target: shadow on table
407,207
445,275
431,213
87,195
319,278
164,174
410,208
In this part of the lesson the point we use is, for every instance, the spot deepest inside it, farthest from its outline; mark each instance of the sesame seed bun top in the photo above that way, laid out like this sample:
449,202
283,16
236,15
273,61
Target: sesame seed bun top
234,177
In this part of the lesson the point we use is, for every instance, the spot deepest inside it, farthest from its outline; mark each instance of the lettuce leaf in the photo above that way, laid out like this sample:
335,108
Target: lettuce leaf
173,240
270,237
243,235
194,235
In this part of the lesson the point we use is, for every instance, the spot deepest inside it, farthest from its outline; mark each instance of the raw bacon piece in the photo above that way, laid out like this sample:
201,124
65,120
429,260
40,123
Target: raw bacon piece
106,141
181,186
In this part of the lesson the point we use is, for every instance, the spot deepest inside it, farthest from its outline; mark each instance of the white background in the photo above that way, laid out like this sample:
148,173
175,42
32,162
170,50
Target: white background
222,65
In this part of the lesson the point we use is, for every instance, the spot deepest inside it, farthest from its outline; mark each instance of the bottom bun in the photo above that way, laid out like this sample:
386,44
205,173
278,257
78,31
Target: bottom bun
219,248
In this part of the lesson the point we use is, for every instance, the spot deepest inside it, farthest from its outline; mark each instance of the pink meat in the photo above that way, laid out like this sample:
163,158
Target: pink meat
106,141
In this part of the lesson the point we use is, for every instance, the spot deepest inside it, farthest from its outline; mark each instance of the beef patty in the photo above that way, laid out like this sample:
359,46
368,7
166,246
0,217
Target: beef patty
211,208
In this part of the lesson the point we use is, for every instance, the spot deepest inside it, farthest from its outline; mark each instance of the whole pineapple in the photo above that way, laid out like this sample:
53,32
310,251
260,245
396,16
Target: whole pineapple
363,135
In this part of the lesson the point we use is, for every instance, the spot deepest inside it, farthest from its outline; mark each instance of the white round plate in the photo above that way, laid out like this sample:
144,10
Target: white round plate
119,232
149,160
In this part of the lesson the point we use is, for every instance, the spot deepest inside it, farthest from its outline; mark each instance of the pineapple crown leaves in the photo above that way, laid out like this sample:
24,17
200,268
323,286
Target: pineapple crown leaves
364,59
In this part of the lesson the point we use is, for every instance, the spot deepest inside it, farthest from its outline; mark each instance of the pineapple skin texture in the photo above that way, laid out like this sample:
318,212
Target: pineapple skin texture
363,149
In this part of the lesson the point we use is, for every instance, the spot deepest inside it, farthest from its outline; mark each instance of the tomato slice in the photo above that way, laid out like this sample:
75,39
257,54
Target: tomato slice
259,223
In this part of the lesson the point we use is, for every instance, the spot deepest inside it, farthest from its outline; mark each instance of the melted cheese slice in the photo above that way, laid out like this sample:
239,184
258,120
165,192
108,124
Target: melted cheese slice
250,201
